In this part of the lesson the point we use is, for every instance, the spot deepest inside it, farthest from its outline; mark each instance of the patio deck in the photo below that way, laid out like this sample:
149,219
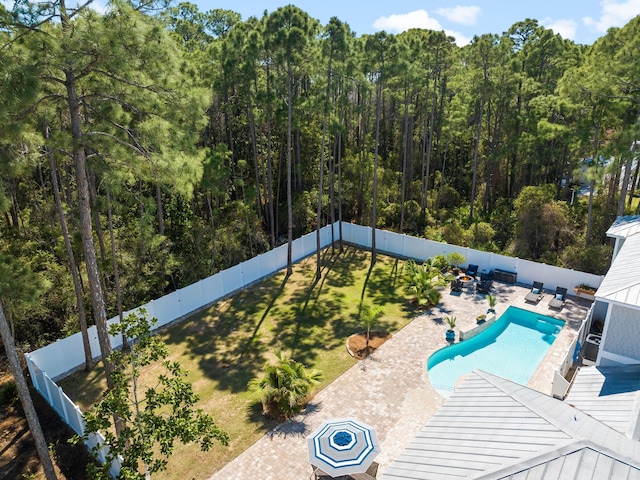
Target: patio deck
391,391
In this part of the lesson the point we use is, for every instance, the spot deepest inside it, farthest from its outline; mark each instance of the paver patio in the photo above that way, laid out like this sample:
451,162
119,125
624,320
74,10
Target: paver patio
391,391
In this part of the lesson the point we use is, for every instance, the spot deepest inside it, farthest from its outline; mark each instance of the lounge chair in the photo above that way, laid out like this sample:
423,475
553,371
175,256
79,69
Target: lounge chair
484,286
559,298
456,285
535,294
472,270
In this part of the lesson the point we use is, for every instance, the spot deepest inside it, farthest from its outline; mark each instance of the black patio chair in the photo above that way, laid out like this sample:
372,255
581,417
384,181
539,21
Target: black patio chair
487,276
472,270
559,298
456,285
535,294
484,286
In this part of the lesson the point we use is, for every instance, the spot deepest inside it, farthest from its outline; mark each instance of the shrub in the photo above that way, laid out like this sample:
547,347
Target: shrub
8,393
284,387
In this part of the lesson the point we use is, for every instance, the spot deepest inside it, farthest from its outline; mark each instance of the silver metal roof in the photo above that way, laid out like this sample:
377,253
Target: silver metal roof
494,428
609,394
621,284
624,227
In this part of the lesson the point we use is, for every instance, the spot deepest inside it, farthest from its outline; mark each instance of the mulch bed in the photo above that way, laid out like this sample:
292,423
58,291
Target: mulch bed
357,343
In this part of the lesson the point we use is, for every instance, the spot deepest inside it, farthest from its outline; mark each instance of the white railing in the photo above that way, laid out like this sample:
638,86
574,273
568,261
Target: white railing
65,356
561,384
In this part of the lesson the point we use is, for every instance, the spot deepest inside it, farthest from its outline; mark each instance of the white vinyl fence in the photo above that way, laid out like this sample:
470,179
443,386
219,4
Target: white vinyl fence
420,249
58,360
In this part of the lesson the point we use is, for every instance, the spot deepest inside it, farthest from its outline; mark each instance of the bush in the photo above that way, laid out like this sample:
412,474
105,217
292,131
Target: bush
592,259
284,387
8,393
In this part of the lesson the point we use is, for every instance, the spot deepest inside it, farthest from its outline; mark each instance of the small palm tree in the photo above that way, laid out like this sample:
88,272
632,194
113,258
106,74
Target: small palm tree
451,321
450,334
368,316
285,386
492,299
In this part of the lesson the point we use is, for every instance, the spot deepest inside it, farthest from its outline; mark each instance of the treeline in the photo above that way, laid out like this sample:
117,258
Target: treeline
148,147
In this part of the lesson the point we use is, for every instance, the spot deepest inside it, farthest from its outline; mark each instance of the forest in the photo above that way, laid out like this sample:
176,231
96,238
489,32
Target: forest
150,146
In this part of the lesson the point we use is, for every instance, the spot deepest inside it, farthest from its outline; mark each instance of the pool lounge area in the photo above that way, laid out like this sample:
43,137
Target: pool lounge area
392,392
512,348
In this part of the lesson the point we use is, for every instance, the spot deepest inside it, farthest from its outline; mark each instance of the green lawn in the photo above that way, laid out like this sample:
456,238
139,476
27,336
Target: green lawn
225,346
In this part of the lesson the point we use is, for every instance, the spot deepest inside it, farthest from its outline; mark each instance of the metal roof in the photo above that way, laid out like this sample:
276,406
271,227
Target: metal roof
609,394
621,284
624,227
495,428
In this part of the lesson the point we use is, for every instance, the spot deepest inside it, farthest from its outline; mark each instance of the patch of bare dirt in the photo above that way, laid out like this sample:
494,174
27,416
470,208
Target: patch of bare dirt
357,343
18,456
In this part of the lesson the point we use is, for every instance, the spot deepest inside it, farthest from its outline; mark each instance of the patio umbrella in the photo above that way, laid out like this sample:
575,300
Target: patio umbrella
343,446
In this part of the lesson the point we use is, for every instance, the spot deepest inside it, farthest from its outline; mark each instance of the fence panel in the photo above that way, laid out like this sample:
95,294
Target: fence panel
213,288
37,377
191,298
412,247
74,415
168,308
54,396
273,260
251,270
232,279
61,356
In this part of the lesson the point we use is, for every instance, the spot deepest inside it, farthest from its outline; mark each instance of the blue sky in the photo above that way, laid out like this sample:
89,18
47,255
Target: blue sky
582,21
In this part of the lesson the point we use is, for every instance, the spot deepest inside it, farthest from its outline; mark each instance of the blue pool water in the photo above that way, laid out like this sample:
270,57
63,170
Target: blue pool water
512,348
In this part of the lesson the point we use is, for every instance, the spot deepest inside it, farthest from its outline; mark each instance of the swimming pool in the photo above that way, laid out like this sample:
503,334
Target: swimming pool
512,348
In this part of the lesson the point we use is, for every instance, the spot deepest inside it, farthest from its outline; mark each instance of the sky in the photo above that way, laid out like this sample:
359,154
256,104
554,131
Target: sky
582,21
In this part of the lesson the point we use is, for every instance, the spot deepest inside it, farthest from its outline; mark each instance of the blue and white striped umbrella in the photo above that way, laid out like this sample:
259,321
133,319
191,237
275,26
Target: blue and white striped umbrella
343,446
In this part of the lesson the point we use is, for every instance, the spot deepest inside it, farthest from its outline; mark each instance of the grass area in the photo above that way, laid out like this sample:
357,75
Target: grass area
227,345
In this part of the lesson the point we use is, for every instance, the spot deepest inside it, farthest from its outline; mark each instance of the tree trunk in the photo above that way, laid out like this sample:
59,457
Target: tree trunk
272,222
77,286
339,159
374,218
25,399
633,183
321,181
84,207
592,185
93,196
289,197
406,138
116,272
475,163
625,185
254,149
160,209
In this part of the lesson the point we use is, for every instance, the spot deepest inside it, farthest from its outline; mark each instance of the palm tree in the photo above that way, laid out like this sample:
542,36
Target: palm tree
285,385
368,317
424,283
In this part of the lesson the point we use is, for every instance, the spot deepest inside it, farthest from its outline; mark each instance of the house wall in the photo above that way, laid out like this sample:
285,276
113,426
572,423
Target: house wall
621,337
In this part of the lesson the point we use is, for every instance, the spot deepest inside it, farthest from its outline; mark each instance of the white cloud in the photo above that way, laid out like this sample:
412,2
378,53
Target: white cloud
397,23
615,13
566,28
458,14
99,6
461,40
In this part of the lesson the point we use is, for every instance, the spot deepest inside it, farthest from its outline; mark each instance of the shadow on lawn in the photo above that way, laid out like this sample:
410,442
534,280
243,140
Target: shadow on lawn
231,341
